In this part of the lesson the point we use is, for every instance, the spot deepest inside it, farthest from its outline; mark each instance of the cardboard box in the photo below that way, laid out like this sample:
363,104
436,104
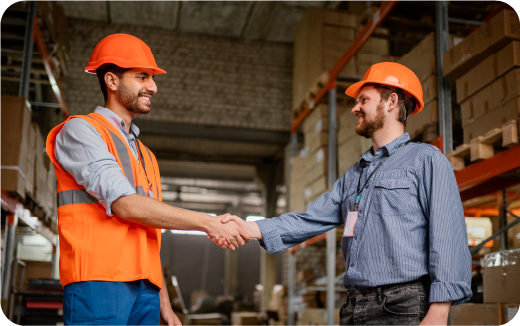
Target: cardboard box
513,234
316,316
416,122
316,140
509,311
487,39
501,276
40,171
317,120
476,314
320,38
376,46
320,157
31,155
245,318
491,97
430,89
478,229
351,151
316,172
488,70
16,119
492,119
314,190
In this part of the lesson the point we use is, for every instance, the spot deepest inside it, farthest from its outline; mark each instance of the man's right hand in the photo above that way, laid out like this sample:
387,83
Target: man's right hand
234,234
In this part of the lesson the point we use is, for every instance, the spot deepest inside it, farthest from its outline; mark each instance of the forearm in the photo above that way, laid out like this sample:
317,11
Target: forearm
153,213
163,295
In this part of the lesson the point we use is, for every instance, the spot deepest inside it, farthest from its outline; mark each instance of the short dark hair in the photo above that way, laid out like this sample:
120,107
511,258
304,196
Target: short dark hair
406,104
101,72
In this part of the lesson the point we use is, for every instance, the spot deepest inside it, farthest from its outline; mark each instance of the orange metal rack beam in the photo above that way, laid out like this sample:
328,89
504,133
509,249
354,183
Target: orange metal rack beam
361,39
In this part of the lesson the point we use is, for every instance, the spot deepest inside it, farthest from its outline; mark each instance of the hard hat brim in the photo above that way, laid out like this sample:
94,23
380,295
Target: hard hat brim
354,89
93,66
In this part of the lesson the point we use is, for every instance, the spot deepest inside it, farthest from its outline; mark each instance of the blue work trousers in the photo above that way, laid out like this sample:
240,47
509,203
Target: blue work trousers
111,303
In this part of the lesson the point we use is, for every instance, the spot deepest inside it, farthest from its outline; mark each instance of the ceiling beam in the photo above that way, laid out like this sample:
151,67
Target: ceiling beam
243,135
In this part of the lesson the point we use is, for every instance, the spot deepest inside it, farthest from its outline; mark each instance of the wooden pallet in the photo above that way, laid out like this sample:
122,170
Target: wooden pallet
483,147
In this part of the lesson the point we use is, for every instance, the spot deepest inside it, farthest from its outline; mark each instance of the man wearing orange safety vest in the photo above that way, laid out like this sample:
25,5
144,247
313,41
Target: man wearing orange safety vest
109,199
404,243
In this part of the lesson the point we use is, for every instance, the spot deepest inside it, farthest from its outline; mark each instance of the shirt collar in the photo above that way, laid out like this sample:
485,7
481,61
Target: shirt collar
115,120
389,148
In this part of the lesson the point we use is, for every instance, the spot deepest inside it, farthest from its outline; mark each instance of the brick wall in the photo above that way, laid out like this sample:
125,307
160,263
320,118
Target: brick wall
210,80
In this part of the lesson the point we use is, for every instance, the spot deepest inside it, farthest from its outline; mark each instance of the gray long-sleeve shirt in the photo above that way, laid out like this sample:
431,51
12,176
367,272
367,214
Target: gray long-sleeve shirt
410,224
81,151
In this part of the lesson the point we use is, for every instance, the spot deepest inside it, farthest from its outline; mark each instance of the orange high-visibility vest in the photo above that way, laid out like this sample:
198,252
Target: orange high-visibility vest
93,245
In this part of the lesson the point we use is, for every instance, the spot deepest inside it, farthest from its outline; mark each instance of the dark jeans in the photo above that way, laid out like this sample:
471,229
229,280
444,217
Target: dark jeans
398,304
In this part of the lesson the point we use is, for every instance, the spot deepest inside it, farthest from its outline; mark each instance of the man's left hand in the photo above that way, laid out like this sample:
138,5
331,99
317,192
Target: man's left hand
168,317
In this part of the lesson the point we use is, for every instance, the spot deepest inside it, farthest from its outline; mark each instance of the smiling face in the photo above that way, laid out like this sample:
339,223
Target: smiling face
136,89
369,112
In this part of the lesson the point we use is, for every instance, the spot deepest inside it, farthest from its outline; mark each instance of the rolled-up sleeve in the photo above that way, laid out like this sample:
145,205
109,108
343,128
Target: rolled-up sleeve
449,256
81,151
290,229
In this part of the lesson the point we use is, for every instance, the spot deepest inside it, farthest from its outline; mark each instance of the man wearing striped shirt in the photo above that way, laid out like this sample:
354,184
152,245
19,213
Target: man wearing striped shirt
405,244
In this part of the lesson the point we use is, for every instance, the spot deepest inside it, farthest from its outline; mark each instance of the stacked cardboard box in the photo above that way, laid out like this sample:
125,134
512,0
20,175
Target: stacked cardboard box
321,37
488,39
422,61
501,276
316,135
374,51
482,314
296,198
489,93
316,316
16,119
478,229
350,145
31,156
40,170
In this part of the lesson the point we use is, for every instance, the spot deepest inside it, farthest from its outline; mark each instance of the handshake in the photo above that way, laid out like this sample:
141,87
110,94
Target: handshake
230,231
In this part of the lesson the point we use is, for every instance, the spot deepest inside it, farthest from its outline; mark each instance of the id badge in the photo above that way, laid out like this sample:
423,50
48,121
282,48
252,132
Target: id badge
350,222
150,193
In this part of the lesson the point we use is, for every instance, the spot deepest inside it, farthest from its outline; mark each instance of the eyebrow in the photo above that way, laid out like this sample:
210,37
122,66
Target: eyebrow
143,73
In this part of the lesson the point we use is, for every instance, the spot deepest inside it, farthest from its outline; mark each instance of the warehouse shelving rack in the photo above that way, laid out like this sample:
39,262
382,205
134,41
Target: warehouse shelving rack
475,180
16,212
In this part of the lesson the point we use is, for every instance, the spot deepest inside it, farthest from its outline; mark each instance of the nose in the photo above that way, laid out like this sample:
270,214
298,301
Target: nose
356,109
151,86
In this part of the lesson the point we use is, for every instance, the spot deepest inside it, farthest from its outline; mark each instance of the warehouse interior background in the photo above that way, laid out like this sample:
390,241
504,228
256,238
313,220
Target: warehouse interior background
240,124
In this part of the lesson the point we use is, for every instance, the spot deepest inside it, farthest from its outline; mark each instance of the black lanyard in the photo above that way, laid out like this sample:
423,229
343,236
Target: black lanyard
359,191
142,160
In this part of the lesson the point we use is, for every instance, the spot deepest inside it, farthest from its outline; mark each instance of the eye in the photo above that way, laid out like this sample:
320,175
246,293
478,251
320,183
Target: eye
140,77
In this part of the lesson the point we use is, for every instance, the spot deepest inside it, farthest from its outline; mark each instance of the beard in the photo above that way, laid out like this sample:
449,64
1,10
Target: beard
367,128
131,102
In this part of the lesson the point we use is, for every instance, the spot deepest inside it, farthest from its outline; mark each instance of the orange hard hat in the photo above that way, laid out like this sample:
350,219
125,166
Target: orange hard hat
123,50
394,75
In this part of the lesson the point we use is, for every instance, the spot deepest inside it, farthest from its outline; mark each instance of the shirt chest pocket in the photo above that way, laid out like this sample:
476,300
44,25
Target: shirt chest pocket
391,196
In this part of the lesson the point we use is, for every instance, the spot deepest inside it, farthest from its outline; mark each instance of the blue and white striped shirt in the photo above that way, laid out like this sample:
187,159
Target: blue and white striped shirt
410,224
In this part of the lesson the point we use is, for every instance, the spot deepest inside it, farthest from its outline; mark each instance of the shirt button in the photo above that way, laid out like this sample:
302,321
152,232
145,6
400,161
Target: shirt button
374,163
355,237
361,210
366,187
351,264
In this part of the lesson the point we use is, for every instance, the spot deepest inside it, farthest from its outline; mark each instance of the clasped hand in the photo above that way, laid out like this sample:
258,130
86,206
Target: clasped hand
226,232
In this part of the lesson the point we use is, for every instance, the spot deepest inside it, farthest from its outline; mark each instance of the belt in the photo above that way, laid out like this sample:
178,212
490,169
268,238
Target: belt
422,281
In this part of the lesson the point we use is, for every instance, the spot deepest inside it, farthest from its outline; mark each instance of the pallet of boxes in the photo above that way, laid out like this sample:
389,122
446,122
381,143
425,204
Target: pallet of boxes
321,37
422,61
486,67
26,170
501,280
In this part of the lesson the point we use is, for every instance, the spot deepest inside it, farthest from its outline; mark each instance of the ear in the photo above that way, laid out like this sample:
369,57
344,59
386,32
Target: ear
112,81
393,102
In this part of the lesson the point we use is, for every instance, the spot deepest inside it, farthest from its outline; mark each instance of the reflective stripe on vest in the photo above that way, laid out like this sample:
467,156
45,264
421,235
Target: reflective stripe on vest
81,196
